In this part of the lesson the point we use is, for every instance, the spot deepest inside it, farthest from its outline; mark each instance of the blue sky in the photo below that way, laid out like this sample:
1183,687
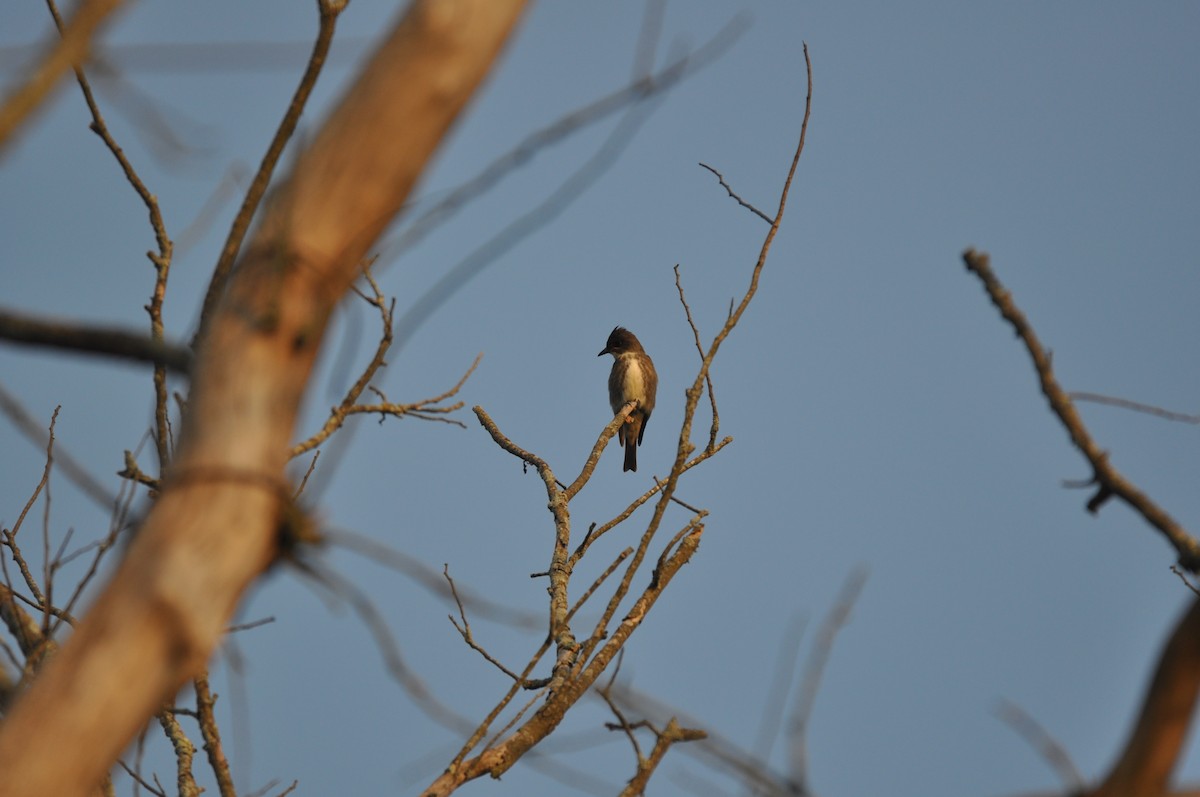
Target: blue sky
883,415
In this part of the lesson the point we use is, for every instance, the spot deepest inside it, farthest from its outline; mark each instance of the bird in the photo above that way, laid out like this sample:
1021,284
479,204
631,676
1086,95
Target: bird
633,377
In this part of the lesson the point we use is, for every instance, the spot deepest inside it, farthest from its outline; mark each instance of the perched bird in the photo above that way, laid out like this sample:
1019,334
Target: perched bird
632,377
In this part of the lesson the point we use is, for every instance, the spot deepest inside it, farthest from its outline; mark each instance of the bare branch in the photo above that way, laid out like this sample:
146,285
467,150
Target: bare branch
645,768
598,651
465,630
70,50
1109,482
1154,747
329,12
712,396
205,702
205,540
738,199
104,340
560,563
1136,406
161,259
185,753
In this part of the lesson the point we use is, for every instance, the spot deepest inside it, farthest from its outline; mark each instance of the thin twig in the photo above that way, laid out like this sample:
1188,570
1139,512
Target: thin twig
465,629
622,723
161,259
596,532
738,199
329,11
712,396
1136,406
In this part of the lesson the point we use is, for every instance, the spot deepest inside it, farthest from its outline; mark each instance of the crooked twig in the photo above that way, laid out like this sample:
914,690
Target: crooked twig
735,197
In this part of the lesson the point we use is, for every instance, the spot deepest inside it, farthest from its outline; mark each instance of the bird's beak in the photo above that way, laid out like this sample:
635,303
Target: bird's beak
606,351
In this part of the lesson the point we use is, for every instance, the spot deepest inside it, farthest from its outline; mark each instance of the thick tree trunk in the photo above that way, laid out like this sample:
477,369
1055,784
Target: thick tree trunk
216,525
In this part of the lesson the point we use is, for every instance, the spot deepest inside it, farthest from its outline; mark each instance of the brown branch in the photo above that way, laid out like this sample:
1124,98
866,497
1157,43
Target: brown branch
623,724
8,537
497,760
712,396
593,458
185,753
1109,482
566,690
205,701
600,579
69,50
118,523
560,563
161,260
133,473
646,765
109,341
205,540
425,409
312,467
329,11
596,532
23,628
600,630
673,733
1156,743
716,751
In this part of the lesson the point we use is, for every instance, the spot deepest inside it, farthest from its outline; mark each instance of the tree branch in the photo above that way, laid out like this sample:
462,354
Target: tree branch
1154,746
1109,481
69,50
115,342
213,529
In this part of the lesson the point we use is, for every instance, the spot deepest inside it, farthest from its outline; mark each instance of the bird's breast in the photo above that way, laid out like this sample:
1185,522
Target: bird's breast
633,384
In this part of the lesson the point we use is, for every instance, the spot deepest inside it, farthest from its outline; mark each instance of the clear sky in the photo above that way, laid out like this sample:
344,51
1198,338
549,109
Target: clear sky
883,415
